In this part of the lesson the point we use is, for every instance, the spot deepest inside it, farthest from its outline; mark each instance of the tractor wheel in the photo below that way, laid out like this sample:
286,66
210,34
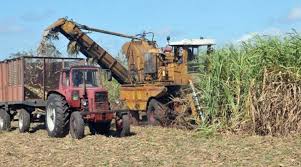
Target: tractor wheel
77,125
123,126
155,113
57,116
4,121
24,121
102,128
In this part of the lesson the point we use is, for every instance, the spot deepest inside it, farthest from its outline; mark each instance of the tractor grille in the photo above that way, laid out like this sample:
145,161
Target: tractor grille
100,97
101,101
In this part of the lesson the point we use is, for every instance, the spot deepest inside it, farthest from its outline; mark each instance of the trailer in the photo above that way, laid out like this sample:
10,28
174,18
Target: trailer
67,91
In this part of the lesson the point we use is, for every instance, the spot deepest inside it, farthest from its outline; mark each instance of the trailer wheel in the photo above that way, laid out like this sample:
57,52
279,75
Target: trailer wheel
101,128
77,125
155,113
4,121
57,116
123,126
24,121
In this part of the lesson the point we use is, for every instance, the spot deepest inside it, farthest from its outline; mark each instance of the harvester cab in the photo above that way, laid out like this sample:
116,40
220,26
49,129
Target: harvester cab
193,49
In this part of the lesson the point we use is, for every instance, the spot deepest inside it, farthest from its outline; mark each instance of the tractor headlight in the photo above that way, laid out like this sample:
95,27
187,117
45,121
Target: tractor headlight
75,95
84,102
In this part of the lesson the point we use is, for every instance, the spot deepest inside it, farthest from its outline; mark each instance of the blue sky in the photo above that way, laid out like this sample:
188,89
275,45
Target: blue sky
22,22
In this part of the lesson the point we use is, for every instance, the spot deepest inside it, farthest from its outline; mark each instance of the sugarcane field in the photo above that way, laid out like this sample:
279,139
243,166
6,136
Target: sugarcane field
150,83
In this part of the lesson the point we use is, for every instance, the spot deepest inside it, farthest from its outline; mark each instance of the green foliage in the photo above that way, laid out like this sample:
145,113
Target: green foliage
230,71
113,89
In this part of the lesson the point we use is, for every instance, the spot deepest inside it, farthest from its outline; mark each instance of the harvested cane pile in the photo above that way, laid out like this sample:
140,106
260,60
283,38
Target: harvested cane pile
276,107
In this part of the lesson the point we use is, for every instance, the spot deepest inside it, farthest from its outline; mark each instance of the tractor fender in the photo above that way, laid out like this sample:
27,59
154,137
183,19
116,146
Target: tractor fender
55,92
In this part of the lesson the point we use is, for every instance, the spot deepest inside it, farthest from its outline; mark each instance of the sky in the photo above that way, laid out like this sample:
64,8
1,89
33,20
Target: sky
22,22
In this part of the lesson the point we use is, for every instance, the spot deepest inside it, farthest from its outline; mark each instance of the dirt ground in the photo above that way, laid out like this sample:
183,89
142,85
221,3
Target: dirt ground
148,146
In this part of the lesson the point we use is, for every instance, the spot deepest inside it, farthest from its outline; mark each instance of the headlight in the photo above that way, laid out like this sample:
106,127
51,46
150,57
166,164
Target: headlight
75,95
84,102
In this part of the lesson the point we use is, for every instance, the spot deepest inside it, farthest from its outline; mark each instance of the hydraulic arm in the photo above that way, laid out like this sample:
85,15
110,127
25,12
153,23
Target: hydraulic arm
90,48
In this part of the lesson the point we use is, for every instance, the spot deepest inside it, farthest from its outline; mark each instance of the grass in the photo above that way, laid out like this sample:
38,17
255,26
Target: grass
232,71
149,146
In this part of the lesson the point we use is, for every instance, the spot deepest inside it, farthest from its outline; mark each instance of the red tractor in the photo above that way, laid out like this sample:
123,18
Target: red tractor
81,100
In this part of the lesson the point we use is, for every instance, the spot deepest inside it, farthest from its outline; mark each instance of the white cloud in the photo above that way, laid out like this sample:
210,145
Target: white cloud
294,14
269,31
246,37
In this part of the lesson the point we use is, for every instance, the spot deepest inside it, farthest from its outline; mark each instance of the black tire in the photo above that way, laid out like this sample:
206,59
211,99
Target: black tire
24,121
125,128
57,116
77,125
155,113
100,128
4,121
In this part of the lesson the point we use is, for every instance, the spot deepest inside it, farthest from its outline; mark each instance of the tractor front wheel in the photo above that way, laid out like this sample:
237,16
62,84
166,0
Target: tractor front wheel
77,125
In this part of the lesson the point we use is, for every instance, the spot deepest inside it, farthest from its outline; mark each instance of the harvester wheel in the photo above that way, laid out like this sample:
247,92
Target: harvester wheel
57,116
24,121
101,128
155,113
4,121
77,125
123,126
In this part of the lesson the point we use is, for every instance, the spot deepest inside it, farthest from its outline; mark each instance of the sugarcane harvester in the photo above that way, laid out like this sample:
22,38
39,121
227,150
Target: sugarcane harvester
155,78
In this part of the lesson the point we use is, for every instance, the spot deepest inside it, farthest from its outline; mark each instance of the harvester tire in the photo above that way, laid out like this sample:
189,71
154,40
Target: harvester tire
57,116
77,125
155,113
124,129
100,128
24,121
4,121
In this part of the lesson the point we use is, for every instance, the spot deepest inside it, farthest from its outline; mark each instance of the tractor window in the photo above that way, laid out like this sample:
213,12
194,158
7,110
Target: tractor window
91,75
66,78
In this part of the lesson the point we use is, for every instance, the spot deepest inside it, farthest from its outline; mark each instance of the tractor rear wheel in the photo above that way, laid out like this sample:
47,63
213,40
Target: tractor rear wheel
77,125
24,121
57,116
101,128
155,113
4,121
123,126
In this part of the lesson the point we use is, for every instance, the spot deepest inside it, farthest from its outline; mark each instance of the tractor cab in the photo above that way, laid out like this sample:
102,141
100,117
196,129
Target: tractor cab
81,85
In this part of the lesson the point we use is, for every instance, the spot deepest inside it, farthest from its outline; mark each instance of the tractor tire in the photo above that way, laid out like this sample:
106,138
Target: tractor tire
124,129
24,121
155,113
77,125
57,116
100,128
4,121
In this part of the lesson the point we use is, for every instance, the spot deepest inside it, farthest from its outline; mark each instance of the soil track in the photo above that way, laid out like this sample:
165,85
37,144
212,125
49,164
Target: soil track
149,146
